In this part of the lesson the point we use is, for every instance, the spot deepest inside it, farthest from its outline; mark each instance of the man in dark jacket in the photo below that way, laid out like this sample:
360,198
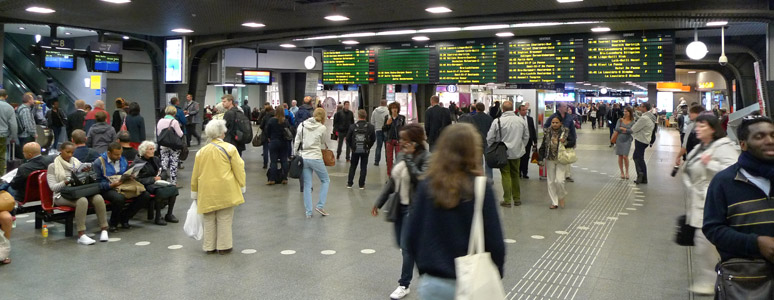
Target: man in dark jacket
34,162
736,218
112,163
101,134
482,121
342,120
612,118
305,110
55,119
76,119
231,122
82,152
532,144
360,138
246,109
436,119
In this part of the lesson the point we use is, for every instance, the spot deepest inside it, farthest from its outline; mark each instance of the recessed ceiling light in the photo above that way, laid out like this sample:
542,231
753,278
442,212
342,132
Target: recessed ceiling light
253,24
22,28
350,42
568,1
504,34
438,10
587,84
691,72
397,32
336,18
487,27
600,29
538,24
40,10
717,23
118,1
421,38
182,30
358,34
287,46
444,29
126,37
68,33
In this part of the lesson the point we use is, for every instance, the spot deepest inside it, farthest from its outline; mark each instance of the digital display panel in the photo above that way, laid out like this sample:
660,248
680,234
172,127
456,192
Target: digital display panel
174,59
256,77
469,63
58,59
412,65
349,67
109,63
640,56
545,59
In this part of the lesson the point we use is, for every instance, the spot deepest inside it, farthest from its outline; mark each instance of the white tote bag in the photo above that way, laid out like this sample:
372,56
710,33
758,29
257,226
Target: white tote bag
478,278
194,223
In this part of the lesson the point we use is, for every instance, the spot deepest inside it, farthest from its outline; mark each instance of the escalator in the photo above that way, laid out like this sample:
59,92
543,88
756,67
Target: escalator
13,86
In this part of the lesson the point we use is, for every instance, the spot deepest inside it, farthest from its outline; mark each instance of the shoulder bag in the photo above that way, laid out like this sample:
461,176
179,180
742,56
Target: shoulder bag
258,138
328,158
566,156
297,163
75,192
389,200
497,153
477,275
740,278
685,232
168,138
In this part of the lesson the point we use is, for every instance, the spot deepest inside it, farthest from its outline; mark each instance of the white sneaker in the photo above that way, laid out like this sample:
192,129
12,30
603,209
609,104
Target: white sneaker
85,240
103,237
400,292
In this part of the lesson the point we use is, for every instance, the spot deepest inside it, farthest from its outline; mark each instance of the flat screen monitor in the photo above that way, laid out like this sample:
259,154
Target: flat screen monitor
256,77
108,63
58,59
174,58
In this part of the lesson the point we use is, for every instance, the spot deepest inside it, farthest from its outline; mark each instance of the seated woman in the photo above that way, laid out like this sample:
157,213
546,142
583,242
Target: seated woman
58,173
148,175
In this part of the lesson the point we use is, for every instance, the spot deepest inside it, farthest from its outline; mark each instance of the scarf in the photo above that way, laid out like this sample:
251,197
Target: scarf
554,135
755,166
63,169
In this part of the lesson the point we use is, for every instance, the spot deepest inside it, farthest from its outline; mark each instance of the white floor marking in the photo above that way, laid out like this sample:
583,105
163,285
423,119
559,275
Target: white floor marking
288,252
585,168
561,232
510,241
249,251
368,251
583,228
603,173
631,208
175,247
143,243
637,204
599,223
639,200
538,237
113,240
328,252
22,216
612,218
623,214
30,221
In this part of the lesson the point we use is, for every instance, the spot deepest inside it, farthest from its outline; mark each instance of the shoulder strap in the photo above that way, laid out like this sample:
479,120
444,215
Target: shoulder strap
500,129
301,144
476,241
104,172
222,150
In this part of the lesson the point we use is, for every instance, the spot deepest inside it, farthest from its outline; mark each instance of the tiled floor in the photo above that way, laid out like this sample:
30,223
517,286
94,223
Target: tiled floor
625,238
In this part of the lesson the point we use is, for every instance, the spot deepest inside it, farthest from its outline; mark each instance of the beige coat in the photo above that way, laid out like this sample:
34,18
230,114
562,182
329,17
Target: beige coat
697,175
217,183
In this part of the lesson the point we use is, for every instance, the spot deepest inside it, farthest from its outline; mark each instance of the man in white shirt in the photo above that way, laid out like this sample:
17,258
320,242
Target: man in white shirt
512,130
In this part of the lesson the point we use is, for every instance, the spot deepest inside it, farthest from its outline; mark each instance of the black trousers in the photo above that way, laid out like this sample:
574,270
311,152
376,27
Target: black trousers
639,160
342,141
191,131
121,213
525,160
361,158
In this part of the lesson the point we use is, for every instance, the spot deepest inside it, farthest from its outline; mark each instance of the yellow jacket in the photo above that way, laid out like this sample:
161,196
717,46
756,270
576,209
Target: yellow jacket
217,183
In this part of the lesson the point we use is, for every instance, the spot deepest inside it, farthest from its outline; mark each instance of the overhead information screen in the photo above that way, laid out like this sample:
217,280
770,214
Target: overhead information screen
471,63
349,67
403,66
641,56
58,59
545,59
107,63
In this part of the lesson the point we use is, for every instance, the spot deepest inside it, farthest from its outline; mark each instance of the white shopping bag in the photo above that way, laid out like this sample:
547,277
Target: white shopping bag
194,223
477,276
5,246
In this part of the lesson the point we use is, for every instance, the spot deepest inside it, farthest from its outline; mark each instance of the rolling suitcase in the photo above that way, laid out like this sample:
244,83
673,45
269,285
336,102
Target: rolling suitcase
543,172
12,163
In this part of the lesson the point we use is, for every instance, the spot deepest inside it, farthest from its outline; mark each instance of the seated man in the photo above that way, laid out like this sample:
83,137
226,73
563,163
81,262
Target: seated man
108,164
125,139
34,161
82,152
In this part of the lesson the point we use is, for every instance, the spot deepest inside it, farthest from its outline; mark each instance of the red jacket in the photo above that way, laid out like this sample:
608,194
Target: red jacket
90,115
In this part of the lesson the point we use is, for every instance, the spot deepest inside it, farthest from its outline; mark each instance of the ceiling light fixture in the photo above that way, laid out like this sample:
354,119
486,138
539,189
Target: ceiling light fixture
505,34
350,42
358,34
117,1
600,29
40,10
287,46
68,33
587,83
421,38
336,18
691,72
696,50
253,24
443,29
126,37
22,28
717,23
438,10
538,24
568,1
397,32
486,27
182,30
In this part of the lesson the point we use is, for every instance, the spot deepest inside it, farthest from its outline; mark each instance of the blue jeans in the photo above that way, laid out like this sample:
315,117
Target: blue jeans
407,270
436,288
379,144
317,166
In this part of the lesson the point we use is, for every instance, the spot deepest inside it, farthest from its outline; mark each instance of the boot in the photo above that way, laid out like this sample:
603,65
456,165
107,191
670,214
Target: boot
640,178
159,220
151,206
170,217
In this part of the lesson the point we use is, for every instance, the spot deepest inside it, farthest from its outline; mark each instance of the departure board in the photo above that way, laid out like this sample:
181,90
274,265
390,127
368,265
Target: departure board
349,67
641,56
403,66
470,62
545,59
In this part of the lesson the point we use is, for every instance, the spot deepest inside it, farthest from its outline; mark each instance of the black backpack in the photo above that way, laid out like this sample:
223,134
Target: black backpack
360,139
243,132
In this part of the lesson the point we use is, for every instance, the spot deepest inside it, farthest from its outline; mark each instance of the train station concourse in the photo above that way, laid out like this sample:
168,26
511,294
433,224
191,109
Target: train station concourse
209,149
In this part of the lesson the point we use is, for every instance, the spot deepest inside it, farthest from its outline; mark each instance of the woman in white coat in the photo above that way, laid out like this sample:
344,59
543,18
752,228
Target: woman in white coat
716,153
311,137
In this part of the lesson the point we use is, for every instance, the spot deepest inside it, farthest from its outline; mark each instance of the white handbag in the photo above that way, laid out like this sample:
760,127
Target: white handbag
478,278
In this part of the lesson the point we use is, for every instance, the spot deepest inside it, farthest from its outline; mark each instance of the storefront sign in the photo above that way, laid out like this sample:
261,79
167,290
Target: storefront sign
706,85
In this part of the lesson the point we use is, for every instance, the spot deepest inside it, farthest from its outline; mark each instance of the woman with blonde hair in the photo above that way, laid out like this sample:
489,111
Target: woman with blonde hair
218,185
443,212
169,156
310,140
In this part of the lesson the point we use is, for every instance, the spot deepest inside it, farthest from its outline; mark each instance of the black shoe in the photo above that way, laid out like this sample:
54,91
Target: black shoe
376,164
224,252
517,203
181,167
160,221
525,177
126,225
171,218
112,228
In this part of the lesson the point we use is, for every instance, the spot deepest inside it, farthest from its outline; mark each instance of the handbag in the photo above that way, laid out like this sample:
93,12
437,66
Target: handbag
685,233
477,275
328,158
77,192
184,153
7,203
297,163
497,154
535,157
130,188
614,138
334,136
740,278
258,139
194,223
163,191
82,178
288,134
168,138
389,200
565,155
